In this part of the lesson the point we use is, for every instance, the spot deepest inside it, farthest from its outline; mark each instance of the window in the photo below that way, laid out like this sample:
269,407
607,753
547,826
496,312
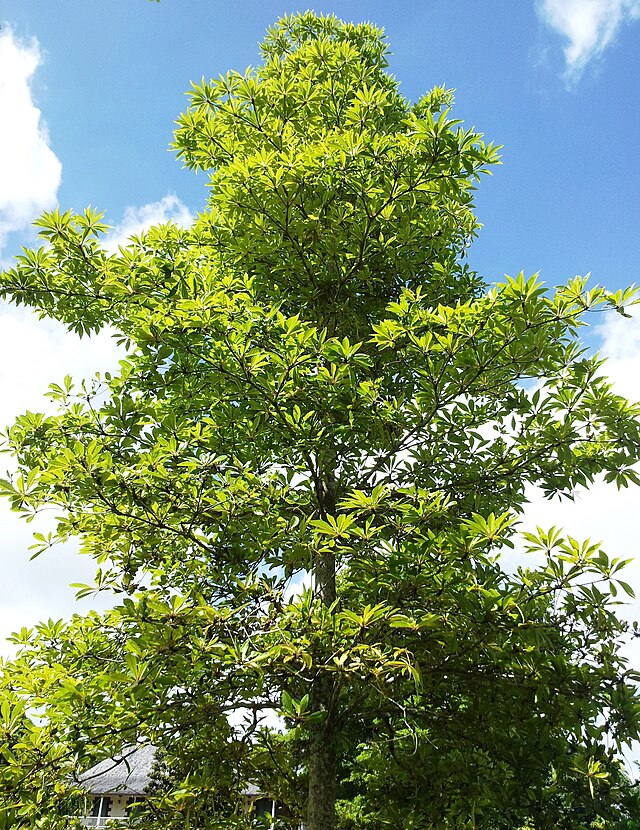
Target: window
101,806
133,803
263,806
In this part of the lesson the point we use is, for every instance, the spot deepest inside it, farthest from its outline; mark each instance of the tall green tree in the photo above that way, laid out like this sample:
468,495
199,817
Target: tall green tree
302,478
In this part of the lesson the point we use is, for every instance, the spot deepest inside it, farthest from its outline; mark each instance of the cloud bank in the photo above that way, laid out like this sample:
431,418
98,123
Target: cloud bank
137,219
36,353
30,172
603,513
587,26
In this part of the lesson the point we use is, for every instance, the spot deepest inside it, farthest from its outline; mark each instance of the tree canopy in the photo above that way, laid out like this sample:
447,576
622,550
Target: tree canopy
302,481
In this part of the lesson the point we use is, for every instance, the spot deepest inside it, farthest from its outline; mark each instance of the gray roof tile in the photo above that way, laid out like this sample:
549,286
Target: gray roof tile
126,774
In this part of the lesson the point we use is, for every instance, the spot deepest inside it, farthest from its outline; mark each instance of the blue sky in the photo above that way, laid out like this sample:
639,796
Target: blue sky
88,95
113,77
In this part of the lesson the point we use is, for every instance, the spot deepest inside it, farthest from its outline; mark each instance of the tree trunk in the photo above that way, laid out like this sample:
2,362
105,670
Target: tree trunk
323,742
322,759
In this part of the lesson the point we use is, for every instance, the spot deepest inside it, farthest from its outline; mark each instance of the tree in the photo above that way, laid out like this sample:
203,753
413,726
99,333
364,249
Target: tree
301,481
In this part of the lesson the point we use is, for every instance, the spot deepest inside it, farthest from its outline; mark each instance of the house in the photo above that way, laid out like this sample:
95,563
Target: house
116,784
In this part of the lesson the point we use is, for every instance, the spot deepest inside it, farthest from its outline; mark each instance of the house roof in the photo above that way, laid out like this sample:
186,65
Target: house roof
125,774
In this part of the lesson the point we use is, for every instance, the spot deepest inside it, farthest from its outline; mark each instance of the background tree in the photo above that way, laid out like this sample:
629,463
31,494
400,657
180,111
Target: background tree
302,478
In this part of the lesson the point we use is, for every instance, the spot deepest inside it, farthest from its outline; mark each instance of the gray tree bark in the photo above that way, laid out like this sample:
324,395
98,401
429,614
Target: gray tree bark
323,743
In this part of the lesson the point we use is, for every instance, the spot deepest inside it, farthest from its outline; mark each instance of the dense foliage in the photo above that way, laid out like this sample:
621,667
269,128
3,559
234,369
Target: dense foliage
300,483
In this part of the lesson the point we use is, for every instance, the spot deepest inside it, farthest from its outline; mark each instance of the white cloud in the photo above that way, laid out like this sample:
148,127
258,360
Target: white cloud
38,352
30,172
137,219
603,513
34,354
588,27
